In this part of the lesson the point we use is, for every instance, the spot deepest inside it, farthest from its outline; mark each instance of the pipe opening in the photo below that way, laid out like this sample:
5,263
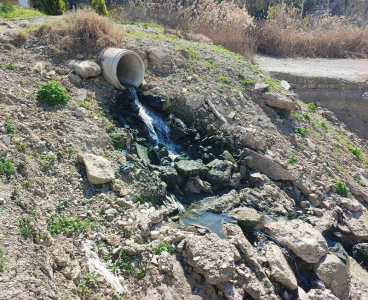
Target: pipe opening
129,70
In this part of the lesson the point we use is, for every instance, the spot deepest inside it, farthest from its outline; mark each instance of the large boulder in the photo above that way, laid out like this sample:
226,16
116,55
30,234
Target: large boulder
267,166
190,168
357,223
247,217
299,236
358,280
279,101
86,69
225,203
211,256
319,294
220,172
99,170
280,269
333,273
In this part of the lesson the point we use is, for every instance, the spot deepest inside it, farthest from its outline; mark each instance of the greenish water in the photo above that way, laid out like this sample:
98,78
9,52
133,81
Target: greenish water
196,214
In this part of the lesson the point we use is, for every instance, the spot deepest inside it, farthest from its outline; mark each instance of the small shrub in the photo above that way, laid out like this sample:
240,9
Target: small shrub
224,79
355,150
306,116
52,7
100,7
272,83
244,80
10,126
358,179
67,225
164,247
48,160
312,107
141,272
2,261
85,104
301,131
341,188
53,93
284,114
6,167
292,160
125,263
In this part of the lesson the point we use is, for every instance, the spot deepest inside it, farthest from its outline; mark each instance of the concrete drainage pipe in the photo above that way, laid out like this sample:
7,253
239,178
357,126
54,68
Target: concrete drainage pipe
122,67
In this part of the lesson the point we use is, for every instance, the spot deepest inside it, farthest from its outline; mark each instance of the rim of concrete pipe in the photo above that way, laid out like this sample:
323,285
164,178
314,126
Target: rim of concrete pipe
122,66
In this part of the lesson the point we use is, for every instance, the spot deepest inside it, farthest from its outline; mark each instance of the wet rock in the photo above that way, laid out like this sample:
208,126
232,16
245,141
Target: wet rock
333,273
191,168
99,170
168,175
299,236
267,166
86,69
225,202
178,129
212,257
220,172
360,253
276,100
280,269
196,185
247,217
142,153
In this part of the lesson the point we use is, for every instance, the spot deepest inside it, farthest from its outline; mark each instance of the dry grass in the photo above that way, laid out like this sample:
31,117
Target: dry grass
224,24
83,31
284,33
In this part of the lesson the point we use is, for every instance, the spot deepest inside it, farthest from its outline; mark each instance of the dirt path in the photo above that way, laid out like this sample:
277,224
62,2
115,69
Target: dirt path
11,25
350,70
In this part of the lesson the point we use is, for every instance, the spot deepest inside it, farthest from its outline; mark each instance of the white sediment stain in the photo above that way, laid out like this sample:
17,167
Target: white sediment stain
101,268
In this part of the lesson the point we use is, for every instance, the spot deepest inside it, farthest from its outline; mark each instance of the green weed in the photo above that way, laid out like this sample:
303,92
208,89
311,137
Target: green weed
355,150
341,188
118,138
2,260
6,166
301,131
53,93
164,247
323,124
48,160
10,126
85,104
312,107
67,225
10,67
24,224
223,79
292,160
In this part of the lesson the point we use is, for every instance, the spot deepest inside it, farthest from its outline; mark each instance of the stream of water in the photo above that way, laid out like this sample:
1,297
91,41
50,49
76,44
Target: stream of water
156,126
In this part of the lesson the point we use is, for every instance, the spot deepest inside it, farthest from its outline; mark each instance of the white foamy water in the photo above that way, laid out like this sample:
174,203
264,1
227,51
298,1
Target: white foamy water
101,268
157,127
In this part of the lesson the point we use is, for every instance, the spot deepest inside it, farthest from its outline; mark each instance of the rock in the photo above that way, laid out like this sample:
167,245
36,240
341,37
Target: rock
249,140
81,112
267,166
122,202
247,217
156,216
278,101
350,204
319,294
358,280
230,292
74,78
329,115
357,223
6,140
260,87
212,257
99,170
359,252
168,175
313,198
179,130
299,236
256,177
285,84
220,172
225,202
196,185
302,295
110,214
334,275
280,269
155,234
86,69
358,190
2,201
190,168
